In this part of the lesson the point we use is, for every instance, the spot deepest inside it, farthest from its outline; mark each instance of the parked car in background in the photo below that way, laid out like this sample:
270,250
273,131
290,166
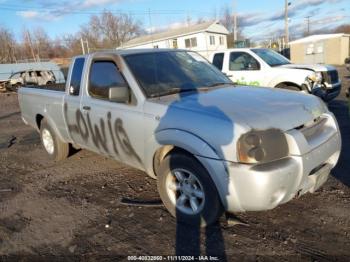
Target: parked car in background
212,146
31,77
14,71
265,67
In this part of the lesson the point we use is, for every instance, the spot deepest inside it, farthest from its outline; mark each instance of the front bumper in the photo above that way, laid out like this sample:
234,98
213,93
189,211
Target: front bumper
327,94
265,186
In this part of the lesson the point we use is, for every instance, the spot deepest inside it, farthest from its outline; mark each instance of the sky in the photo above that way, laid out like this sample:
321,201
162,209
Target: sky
258,19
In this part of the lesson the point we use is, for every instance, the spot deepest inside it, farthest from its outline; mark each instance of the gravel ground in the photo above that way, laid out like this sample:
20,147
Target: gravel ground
72,210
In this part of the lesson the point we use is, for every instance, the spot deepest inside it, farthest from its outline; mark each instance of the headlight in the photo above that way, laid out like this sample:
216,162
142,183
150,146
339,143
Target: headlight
318,77
315,77
262,146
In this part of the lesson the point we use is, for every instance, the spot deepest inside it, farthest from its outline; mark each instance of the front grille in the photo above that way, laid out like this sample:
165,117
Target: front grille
313,129
316,169
330,77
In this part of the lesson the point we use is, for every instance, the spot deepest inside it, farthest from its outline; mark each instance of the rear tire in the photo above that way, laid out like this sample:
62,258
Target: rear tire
187,190
55,148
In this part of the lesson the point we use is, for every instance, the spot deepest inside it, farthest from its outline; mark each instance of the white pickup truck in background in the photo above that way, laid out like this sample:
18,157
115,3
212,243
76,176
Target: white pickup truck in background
265,67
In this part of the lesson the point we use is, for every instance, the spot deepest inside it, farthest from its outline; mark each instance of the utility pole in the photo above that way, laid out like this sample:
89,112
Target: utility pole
234,21
308,24
188,19
286,28
150,24
235,27
30,45
82,45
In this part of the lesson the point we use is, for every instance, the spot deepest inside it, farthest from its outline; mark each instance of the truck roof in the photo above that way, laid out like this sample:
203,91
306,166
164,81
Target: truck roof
135,51
240,49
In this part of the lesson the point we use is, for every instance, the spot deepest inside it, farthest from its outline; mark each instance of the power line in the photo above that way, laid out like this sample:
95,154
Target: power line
118,11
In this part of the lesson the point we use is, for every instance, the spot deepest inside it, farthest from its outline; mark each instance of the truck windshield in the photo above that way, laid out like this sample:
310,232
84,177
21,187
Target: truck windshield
271,57
169,72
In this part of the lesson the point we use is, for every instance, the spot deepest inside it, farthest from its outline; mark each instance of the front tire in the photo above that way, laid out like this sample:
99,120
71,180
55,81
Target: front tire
54,147
187,190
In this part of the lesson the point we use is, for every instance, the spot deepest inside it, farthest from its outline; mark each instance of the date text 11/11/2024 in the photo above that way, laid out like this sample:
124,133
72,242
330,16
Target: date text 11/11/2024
173,258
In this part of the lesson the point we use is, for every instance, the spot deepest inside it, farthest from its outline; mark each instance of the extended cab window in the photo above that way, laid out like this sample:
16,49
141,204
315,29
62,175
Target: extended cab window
218,60
103,75
76,76
240,61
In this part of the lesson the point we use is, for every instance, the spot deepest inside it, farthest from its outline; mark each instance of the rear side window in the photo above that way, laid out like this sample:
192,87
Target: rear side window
103,75
76,76
218,60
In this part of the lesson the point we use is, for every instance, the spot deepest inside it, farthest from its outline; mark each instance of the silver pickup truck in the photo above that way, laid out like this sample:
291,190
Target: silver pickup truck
212,146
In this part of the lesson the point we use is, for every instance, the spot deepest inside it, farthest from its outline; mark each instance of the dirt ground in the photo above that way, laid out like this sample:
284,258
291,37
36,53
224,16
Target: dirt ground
72,210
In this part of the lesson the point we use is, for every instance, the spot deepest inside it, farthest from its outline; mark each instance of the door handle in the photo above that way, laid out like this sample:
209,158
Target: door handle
87,108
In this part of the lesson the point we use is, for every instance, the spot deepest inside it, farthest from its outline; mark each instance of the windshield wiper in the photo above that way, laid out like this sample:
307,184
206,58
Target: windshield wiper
280,64
219,84
177,90
172,91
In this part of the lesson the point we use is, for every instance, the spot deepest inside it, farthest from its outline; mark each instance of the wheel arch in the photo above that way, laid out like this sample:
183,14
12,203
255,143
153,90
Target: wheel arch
288,76
177,141
287,83
164,151
164,141
39,118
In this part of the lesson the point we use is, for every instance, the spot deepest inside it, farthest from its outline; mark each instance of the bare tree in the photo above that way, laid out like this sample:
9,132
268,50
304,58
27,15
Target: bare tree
201,20
7,46
37,45
343,29
41,43
227,19
72,45
91,32
109,30
105,31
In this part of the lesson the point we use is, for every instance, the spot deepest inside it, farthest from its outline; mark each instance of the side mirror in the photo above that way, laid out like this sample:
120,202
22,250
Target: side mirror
73,90
119,94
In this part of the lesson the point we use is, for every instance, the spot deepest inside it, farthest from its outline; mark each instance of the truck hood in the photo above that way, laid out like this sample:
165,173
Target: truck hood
257,108
312,67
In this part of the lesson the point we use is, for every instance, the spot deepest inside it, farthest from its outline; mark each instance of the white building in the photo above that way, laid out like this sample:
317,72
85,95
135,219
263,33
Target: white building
203,38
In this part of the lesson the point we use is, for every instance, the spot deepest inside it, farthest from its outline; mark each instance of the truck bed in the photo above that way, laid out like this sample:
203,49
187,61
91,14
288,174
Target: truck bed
38,101
55,87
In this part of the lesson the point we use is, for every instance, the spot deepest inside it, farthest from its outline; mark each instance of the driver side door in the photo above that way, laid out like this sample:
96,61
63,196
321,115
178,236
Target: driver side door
111,128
